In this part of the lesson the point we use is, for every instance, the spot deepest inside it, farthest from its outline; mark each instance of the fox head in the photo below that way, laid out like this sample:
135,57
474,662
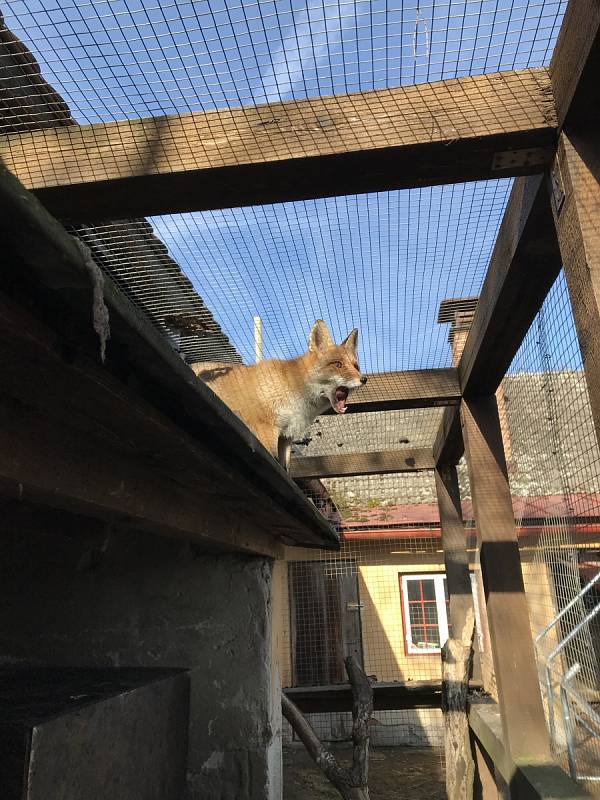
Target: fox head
334,371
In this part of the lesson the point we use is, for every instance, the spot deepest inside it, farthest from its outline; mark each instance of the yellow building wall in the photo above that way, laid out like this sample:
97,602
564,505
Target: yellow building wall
381,616
382,624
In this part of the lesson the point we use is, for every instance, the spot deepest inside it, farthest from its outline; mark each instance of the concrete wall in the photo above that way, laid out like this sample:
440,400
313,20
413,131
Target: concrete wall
125,599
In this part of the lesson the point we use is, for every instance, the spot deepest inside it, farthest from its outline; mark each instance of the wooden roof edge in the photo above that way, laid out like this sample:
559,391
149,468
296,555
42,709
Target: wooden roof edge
56,270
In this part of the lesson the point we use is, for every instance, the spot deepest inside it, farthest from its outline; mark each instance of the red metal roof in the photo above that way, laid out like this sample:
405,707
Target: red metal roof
532,514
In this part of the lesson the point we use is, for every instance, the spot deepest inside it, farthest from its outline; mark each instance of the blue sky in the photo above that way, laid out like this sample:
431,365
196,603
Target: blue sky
379,262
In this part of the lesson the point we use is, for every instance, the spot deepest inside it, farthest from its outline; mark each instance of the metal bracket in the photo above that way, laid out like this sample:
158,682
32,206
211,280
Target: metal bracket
354,606
517,159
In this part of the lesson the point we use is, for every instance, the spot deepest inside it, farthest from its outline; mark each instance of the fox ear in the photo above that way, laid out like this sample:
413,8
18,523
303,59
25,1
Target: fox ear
319,338
351,341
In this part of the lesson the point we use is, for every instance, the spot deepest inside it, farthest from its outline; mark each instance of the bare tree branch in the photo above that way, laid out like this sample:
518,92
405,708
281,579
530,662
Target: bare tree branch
351,784
362,711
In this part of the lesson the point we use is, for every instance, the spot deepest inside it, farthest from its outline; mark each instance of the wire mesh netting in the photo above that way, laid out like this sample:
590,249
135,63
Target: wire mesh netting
379,262
383,263
555,481
122,59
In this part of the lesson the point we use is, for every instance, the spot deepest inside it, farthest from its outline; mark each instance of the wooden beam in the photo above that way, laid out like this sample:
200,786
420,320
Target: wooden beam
528,778
448,445
575,178
485,126
577,174
575,63
523,720
47,463
46,270
525,263
416,388
457,660
527,258
386,696
485,786
378,463
454,542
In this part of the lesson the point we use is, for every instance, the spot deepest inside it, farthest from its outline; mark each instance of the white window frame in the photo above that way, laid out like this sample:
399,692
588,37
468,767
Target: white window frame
440,602
442,612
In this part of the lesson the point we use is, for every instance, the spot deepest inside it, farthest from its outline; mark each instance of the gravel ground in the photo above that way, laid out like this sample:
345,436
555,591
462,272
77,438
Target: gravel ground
395,773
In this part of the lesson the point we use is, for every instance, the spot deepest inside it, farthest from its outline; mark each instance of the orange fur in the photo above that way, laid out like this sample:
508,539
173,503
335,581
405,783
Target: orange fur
279,400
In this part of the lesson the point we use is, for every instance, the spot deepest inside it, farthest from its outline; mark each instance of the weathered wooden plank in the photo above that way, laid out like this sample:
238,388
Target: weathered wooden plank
454,542
485,786
416,388
467,128
44,462
42,257
386,696
578,168
524,264
575,63
448,445
94,406
378,463
530,778
457,655
523,720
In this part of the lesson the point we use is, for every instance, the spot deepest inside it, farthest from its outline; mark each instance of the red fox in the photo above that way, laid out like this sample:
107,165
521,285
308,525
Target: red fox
279,400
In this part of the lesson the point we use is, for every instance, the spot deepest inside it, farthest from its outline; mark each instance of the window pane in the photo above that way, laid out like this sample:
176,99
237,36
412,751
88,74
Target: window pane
428,587
422,614
430,614
418,635
425,638
414,589
422,596
433,636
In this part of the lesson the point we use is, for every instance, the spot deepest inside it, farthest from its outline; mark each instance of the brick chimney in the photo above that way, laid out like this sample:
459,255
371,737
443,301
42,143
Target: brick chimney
459,312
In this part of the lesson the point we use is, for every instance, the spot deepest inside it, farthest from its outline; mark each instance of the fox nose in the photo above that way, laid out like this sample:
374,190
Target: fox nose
363,380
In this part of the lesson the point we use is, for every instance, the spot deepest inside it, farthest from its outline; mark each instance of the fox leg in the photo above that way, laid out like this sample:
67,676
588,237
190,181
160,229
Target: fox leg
268,436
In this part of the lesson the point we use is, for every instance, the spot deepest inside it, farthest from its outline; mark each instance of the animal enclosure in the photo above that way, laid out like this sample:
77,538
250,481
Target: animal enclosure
425,172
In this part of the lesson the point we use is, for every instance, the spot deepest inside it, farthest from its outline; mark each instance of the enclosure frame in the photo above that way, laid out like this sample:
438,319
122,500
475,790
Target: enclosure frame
543,129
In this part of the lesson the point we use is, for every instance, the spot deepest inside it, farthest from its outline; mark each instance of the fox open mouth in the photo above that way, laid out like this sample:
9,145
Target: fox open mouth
338,401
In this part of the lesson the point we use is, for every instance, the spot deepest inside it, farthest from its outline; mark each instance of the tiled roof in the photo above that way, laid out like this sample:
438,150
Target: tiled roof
127,250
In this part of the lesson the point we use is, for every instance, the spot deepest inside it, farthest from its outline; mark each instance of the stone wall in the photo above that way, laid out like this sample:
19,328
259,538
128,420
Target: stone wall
126,599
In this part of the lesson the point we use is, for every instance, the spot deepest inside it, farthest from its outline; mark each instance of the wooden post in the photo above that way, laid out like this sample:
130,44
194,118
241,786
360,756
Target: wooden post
455,546
575,187
522,713
457,654
485,785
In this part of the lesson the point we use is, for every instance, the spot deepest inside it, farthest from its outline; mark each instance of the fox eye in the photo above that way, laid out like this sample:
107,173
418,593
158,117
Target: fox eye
337,364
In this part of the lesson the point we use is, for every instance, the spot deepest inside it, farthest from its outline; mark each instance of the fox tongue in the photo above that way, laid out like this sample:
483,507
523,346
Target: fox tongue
340,400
